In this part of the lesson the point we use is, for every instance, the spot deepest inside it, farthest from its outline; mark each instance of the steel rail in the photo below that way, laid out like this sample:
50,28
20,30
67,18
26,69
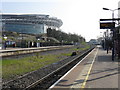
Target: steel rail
57,70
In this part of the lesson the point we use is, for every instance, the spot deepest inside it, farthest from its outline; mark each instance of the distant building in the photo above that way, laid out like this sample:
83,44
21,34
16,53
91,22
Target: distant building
29,23
94,41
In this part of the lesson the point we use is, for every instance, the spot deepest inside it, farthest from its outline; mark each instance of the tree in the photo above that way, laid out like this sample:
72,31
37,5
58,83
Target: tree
64,37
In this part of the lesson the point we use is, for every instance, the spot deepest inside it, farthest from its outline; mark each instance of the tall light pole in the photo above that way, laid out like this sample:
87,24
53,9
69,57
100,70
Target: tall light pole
113,29
112,11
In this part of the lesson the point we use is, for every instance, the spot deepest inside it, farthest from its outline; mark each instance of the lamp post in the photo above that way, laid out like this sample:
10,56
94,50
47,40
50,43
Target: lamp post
112,11
113,29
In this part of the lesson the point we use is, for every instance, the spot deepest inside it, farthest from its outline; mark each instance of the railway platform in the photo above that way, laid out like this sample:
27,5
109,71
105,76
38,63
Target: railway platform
96,70
17,51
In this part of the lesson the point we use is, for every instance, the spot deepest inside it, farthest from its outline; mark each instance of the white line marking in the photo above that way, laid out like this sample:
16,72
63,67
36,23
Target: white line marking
69,71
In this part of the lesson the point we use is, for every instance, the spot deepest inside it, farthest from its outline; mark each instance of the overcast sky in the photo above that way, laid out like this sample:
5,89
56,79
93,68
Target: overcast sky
78,16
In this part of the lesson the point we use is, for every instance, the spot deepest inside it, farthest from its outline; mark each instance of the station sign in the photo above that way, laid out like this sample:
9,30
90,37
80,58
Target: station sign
107,25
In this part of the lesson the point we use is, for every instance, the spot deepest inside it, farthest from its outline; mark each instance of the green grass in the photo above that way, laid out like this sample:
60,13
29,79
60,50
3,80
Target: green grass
0,68
66,54
80,49
21,66
15,67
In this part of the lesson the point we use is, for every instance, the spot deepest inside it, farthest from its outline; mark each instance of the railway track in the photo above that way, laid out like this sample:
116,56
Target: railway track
22,51
44,78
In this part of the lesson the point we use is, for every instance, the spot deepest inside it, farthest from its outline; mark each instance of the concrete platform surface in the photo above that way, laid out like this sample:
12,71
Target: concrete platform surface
96,70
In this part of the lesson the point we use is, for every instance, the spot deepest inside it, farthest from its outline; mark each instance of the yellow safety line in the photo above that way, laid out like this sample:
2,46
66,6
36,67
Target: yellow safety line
84,83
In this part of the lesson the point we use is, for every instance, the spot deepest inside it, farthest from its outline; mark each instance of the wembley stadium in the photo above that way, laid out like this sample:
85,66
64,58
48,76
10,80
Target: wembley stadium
29,23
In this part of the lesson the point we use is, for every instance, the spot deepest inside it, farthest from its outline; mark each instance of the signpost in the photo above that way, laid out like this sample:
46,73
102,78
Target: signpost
114,19
107,25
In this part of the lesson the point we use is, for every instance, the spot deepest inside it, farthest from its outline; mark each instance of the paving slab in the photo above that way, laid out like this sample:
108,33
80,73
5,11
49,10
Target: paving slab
104,73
